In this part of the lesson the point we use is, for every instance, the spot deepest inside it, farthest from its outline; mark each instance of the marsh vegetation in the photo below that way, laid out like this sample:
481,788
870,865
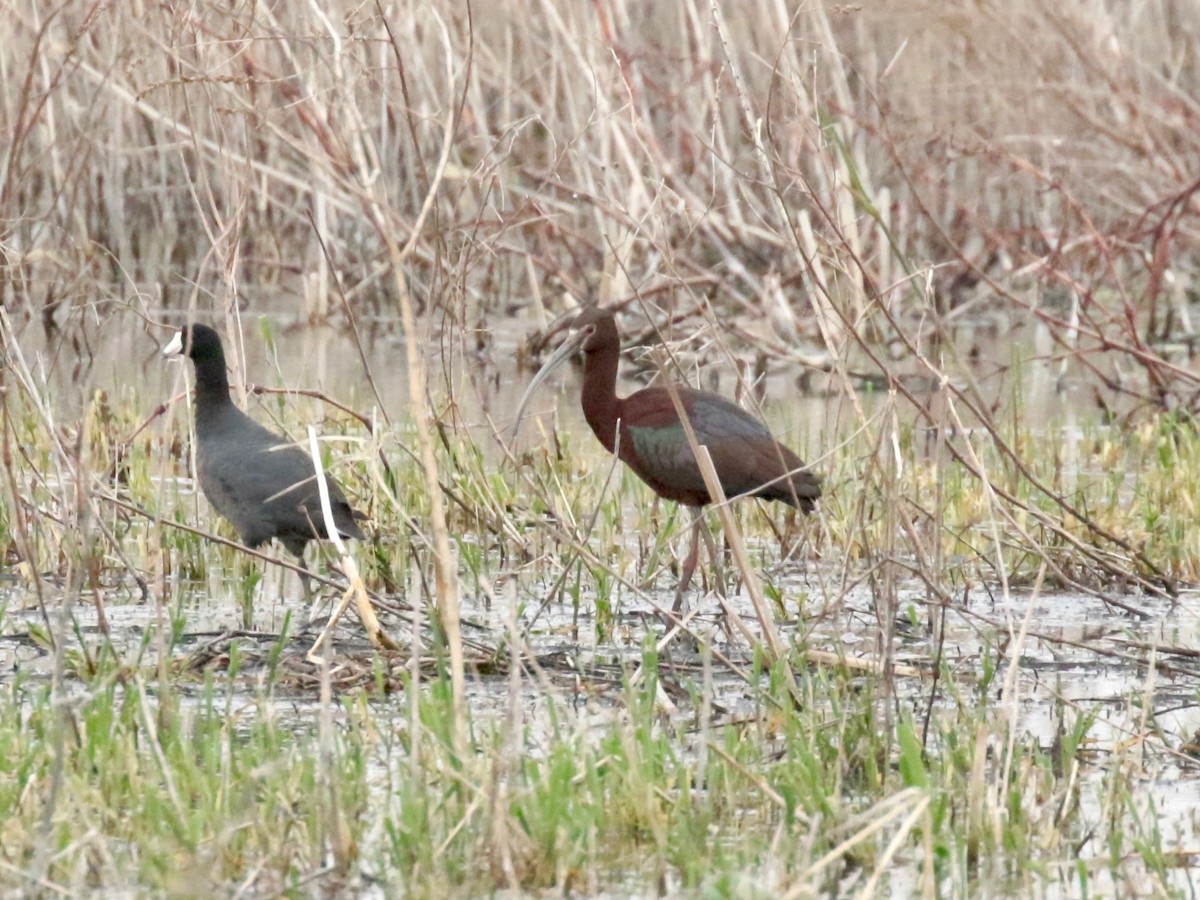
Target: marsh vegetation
948,255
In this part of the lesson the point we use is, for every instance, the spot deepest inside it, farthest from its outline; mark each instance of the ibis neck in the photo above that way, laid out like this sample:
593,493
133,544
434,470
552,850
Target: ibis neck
601,407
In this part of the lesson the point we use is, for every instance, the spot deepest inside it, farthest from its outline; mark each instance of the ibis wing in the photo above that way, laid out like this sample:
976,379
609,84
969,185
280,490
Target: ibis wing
744,454
710,414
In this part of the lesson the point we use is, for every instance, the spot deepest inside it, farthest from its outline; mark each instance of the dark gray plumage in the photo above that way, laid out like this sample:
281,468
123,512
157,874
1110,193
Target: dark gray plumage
263,484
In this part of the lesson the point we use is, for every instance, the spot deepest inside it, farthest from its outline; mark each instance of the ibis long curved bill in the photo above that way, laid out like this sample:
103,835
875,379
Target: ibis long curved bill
566,350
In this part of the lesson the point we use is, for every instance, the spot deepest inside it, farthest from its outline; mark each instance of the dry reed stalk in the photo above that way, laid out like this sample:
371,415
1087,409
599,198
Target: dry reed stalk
908,803
356,591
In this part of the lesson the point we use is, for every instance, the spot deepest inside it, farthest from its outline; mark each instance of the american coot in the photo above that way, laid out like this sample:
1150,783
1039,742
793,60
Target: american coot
259,481
652,442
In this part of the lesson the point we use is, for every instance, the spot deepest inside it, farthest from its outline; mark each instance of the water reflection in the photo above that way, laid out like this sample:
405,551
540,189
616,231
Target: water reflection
813,410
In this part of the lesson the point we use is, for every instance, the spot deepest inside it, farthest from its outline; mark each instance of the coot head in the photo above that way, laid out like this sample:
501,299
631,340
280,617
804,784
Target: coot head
197,342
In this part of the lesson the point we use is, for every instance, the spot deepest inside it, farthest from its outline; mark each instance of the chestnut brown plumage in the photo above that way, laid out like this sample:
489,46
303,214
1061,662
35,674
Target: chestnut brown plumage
645,431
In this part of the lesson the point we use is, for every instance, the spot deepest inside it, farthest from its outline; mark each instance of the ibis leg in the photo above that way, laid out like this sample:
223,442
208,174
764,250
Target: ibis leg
689,564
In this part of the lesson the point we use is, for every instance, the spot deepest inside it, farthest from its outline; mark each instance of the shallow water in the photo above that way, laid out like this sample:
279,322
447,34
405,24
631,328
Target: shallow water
485,371
1078,653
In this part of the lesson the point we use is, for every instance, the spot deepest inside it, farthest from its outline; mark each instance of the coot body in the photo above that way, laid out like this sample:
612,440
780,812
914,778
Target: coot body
263,484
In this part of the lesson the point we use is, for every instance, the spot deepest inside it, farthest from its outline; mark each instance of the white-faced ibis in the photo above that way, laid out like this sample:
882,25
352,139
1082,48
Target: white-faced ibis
652,441
258,480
